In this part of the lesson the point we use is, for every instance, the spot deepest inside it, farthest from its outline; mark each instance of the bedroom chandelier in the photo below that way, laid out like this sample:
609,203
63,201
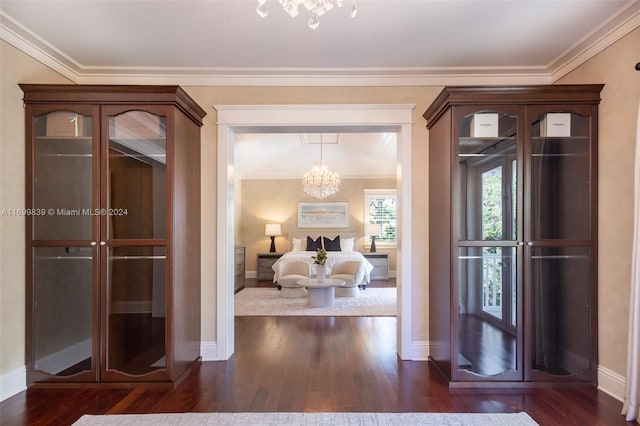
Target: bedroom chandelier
320,182
316,7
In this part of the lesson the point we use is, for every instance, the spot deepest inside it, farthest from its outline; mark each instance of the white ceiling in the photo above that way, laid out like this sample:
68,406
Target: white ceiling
389,42
287,156
93,39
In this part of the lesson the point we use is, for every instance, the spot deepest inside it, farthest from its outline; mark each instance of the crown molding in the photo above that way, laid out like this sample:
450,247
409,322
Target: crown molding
325,80
625,21
603,36
32,45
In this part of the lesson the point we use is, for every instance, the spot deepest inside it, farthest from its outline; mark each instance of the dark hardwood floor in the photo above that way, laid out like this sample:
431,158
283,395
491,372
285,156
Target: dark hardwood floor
313,364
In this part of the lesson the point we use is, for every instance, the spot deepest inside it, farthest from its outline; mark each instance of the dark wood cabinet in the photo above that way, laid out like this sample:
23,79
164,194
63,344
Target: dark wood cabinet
513,233
113,236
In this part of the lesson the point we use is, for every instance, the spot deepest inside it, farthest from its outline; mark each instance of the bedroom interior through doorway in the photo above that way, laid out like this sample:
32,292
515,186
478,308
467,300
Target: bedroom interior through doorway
234,119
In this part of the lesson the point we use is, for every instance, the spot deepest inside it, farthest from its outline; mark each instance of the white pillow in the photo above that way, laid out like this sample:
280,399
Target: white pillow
346,244
297,244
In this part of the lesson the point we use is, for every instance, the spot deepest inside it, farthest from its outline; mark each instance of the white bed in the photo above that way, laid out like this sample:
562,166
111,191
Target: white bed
348,253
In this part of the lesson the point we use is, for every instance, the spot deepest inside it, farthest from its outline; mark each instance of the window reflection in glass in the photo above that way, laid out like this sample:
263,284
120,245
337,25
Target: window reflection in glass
487,187
486,277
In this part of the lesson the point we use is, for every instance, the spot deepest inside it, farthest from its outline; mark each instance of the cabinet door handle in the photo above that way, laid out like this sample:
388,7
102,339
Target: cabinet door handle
92,243
102,243
520,243
530,243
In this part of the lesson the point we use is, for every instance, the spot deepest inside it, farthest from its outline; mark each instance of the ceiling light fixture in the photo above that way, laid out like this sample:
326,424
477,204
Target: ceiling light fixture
316,7
319,182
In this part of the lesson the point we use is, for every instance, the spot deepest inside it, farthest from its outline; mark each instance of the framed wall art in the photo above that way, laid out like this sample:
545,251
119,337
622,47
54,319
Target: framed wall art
323,215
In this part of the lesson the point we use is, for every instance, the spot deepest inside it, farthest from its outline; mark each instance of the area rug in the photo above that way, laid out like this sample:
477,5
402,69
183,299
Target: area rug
315,419
261,301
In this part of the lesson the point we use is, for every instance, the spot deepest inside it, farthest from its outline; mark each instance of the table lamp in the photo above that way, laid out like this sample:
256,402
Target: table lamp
272,230
373,230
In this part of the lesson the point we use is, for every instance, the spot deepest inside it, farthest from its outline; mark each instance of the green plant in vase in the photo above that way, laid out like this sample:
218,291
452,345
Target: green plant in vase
320,259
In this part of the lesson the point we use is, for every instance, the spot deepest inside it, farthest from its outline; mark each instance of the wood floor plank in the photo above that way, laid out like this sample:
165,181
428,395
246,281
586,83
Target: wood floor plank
314,364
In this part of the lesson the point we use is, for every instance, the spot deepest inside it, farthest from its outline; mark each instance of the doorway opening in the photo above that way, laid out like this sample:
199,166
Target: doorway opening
309,118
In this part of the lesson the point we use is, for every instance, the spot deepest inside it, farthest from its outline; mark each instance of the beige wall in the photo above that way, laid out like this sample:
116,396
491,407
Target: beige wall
617,132
15,67
614,67
276,201
208,97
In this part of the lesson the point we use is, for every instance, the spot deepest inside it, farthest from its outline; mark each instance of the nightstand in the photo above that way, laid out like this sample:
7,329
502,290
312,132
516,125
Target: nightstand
265,265
380,262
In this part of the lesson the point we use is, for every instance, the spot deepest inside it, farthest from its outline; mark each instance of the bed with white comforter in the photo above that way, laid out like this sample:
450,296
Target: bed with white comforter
333,257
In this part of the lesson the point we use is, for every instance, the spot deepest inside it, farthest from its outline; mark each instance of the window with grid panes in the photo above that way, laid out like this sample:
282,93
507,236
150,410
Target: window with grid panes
380,208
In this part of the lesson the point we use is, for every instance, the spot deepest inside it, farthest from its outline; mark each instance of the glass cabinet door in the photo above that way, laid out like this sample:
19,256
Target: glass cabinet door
136,310
561,314
63,310
63,176
560,265
487,284
560,176
136,273
62,279
137,176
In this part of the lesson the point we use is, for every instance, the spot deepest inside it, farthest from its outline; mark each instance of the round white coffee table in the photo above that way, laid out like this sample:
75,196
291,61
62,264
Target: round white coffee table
320,294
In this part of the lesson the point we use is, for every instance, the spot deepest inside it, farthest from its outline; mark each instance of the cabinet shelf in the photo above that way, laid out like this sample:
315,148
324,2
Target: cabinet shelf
63,138
474,140
560,138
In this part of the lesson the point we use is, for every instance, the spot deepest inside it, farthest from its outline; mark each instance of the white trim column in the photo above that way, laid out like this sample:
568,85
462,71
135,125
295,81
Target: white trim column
225,244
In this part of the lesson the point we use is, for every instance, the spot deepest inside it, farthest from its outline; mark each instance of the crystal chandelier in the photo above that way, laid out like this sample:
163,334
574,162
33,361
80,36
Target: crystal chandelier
319,182
316,7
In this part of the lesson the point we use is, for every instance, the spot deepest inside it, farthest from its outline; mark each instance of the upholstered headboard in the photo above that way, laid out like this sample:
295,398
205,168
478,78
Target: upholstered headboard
331,235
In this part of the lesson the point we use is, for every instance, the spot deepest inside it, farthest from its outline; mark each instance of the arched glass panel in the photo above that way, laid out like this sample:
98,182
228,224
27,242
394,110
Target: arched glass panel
62,176
137,176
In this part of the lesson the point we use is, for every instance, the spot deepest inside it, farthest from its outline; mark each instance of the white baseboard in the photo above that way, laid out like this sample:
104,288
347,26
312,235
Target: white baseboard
209,351
13,383
420,350
611,383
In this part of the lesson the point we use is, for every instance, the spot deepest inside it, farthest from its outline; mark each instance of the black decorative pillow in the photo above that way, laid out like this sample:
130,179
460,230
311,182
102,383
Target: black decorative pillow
312,245
332,245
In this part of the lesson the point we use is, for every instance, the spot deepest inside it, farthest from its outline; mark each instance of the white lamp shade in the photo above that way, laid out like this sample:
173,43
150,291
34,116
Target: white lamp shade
272,229
372,229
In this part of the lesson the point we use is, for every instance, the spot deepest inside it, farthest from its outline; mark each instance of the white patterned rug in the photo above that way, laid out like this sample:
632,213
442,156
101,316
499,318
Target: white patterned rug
260,301
315,419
